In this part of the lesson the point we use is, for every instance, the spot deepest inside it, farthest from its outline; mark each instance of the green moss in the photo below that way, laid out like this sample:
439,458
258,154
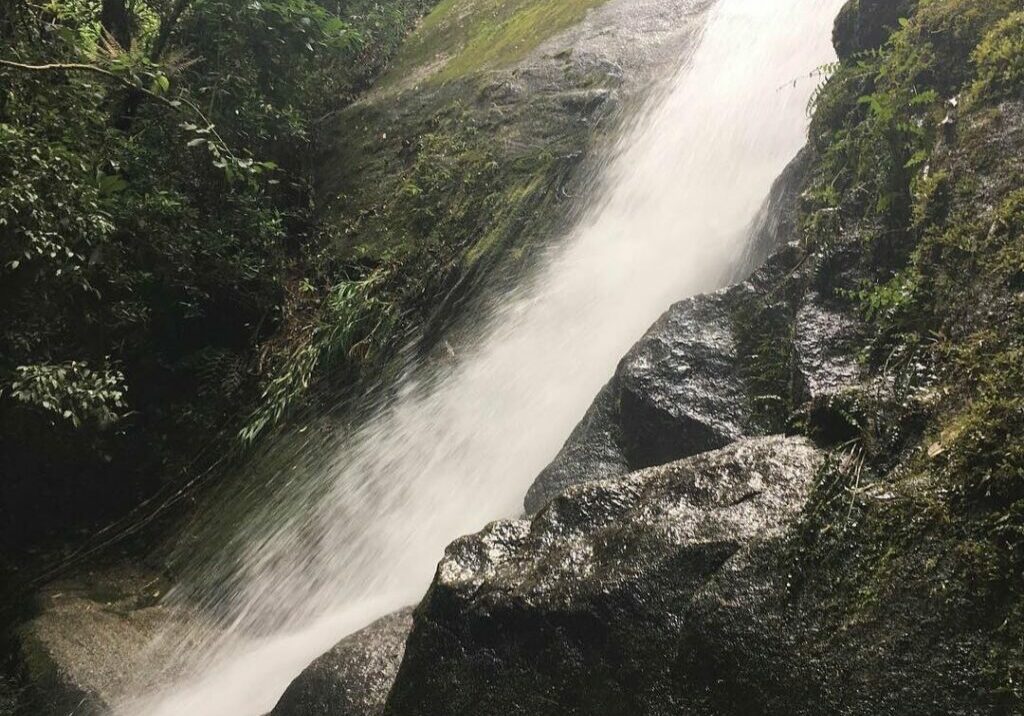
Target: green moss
460,37
1000,60
921,197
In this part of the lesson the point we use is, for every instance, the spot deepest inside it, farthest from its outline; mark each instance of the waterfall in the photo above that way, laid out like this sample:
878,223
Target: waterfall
459,445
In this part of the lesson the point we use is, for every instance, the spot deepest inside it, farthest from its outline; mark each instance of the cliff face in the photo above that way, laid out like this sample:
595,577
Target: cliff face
888,330
801,495
464,156
467,154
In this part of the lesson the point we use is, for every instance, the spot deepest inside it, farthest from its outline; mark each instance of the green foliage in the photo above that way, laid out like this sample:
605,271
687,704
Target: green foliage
155,200
354,321
457,38
949,31
73,391
916,183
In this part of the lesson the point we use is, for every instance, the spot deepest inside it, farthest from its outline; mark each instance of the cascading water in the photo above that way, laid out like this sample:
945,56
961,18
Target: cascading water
456,449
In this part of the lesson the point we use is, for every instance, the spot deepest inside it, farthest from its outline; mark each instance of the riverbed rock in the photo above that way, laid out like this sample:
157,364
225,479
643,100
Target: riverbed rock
582,609
353,678
88,640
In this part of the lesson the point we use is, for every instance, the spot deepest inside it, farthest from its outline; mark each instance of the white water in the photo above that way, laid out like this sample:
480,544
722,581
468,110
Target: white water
454,451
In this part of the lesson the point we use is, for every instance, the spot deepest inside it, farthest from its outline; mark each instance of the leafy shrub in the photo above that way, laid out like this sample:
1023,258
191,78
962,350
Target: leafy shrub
155,201
72,390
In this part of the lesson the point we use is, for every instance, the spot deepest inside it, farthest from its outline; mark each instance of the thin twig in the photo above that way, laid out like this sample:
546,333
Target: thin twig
82,67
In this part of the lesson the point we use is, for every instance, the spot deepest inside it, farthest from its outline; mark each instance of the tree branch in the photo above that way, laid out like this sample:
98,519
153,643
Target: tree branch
81,67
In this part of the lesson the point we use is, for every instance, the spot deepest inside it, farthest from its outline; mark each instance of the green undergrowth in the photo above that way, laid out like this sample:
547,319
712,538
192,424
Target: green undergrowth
460,37
159,235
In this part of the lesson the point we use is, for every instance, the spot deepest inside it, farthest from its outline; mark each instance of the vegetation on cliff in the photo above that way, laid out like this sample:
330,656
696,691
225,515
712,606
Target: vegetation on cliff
914,219
156,212
199,224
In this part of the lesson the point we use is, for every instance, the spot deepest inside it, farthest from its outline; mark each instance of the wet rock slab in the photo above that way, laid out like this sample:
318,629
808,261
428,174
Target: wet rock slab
677,393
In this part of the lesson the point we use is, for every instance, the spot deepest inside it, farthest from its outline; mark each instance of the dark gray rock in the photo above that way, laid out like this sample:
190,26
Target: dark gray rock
675,394
826,339
776,223
866,24
680,390
353,678
594,449
581,610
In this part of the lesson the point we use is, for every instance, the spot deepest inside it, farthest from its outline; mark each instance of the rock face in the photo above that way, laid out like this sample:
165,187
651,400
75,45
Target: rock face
582,609
676,393
73,652
353,678
866,24
680,390
479,157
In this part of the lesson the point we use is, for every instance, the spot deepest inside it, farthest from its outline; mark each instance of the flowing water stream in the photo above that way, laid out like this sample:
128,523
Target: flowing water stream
460,445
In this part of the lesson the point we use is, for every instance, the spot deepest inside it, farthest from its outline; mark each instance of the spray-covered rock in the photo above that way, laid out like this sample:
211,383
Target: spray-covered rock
353,678
582,609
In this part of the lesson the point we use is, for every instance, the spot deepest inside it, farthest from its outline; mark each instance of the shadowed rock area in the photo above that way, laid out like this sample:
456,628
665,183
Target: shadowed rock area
74,652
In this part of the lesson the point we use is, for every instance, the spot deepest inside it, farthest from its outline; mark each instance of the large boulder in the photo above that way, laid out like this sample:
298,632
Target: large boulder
582,609
675,394
91,633
681,390
353,678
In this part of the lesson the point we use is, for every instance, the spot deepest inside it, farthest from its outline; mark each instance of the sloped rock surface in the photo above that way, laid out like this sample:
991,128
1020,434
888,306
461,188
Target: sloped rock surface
681,390
675,394
825,341
865,25
680,393
582,609
74,652
353,678
595,448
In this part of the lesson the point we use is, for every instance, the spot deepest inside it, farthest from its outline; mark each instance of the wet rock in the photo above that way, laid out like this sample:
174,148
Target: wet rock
353,678
772,636
675,394
582,609
866,24
776,223
826,341
594,450
680,390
